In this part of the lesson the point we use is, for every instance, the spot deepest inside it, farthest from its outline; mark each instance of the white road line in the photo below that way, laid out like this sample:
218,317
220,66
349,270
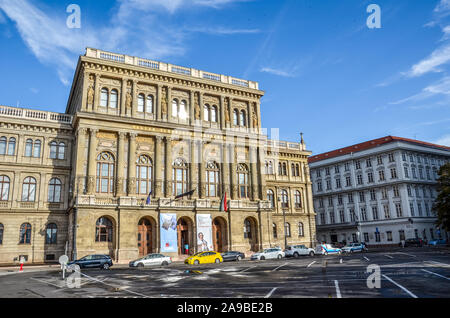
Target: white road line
436,274
388,256
310,264
279,267
271,292
438,263
366,259
338,291
406,254
401,287
247,269
46,282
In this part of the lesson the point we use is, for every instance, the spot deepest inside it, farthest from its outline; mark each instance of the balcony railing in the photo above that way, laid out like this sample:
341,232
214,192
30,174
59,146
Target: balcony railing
14,112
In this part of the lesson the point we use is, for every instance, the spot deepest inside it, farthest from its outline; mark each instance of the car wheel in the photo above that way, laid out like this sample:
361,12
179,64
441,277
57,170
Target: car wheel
140,265
325,253
106,266
164,263
217,261
311,254
351,251
262,258
279,256
340,252
296,255
196,262
238,258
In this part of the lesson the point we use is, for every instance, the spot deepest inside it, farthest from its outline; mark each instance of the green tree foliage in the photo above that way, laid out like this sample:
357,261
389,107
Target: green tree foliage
442,203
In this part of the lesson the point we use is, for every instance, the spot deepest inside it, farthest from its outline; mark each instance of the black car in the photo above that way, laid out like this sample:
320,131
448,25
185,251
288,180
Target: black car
413,242
94,261
232,256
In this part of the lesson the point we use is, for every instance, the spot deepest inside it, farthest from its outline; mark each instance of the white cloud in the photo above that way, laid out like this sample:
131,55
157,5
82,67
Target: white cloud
441,87
444,141
276,72
432,63
221,30
443,6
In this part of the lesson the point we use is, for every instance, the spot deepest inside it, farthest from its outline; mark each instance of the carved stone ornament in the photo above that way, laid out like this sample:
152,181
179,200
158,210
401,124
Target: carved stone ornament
227,111
164,101
90,95
128,100
197,106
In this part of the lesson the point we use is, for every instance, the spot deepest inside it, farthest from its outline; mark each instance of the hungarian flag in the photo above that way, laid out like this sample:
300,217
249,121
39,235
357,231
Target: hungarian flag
224,203
185,194
148,198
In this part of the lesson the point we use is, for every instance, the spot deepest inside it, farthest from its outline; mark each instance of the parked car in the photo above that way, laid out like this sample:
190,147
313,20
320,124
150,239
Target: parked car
232,256
413,242
151,260
354,247
268,253
325,249
297,250
204,258
94,261
437,242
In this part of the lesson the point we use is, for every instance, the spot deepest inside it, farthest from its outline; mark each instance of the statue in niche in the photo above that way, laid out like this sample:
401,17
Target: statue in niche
227,111
128,100
90,95
197,107
164,102
255,120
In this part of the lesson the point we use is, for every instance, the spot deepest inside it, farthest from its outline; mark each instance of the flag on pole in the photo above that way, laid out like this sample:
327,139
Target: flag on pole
185,194
148,198
224,203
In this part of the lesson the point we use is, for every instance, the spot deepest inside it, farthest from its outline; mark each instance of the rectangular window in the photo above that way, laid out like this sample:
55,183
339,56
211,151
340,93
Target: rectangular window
377,237
401,235
411,208
398,209
387,213
370,177
375,212
381,175
393,173
389,236
366,237
342,216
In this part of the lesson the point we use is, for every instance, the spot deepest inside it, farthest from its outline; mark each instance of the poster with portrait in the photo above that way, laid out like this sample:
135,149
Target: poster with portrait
204,233
168,233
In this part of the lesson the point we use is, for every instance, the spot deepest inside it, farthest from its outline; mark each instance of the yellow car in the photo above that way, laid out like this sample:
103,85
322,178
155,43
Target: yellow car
204,258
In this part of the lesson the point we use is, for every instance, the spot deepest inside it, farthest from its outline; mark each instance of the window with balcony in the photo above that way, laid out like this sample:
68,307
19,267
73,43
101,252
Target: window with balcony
29,189
212,179
144,169
105,173
179,176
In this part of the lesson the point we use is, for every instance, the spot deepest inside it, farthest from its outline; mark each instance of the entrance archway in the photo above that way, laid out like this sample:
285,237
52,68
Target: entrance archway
184,229
145,236
219,232
251,233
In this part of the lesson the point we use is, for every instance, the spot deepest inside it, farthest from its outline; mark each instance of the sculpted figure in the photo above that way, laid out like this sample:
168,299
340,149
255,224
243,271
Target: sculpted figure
90,95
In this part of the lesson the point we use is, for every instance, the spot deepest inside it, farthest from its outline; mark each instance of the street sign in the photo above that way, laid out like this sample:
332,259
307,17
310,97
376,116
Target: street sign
376,230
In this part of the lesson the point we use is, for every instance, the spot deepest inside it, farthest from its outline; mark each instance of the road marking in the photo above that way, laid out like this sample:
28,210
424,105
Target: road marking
436,274
271,292
247,269
46,282
388,256
406,254
401,287
438,263
338,291
310,264
366,259
279,267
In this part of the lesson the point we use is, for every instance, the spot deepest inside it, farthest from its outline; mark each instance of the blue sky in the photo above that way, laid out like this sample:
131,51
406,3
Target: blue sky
325,73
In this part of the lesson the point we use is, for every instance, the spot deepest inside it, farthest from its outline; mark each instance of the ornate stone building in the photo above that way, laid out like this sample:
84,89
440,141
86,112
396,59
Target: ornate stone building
137,133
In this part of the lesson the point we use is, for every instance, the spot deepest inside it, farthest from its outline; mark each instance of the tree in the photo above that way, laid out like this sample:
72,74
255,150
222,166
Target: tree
442,203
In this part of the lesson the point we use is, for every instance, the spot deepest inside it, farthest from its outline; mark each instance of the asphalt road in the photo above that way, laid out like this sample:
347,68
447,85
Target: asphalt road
404,273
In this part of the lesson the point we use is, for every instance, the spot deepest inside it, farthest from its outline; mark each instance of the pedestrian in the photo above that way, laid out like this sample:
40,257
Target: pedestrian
403,243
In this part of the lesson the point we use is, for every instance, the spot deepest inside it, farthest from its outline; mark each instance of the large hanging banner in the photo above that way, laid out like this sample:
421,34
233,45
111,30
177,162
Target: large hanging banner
168,233
204,233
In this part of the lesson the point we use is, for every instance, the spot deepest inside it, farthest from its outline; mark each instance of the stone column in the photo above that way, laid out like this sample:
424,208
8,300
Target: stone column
158,167
225,170
85,89
92,161
202,172
131,188
169,103
191,107
194,170
230,100
158,103
258,113
123,97
134,99
201,108
120,163
222,112
234,185
80,152
97,93
168,168
254,173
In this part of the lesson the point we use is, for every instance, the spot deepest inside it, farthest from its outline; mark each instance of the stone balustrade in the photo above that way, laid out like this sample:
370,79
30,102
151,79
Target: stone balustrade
38,115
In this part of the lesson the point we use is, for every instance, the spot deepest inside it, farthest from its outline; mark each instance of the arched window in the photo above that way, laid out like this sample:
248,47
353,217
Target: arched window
284,169
29,189
274,228
51,234
214,114
61,150
4,188
301,232
242,174
28,148
212,179
298,200
206,114
141,101
25,234
105,173
271,198
54,190
1,233
297,170
284,199
37,149
236,117
179,177
287,228
243,119
144,175
247,229
175,108
3,145
12,146
269,167
183,111
280,169
113,99
53,150
149,106
293,170
103,230
104,97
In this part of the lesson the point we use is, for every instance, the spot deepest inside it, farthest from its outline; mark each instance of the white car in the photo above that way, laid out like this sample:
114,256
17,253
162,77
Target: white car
268,253
298,250
151,260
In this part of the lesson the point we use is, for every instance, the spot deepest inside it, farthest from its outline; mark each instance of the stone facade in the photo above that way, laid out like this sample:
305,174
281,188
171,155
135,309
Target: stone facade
134,125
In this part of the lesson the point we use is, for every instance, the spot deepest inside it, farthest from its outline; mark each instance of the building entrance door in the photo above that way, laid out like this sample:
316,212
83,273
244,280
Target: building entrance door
183,238
218,233
144,237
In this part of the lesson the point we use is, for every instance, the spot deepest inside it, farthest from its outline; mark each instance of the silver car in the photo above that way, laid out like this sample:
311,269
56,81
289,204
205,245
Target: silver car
151,260
268,253
298,250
